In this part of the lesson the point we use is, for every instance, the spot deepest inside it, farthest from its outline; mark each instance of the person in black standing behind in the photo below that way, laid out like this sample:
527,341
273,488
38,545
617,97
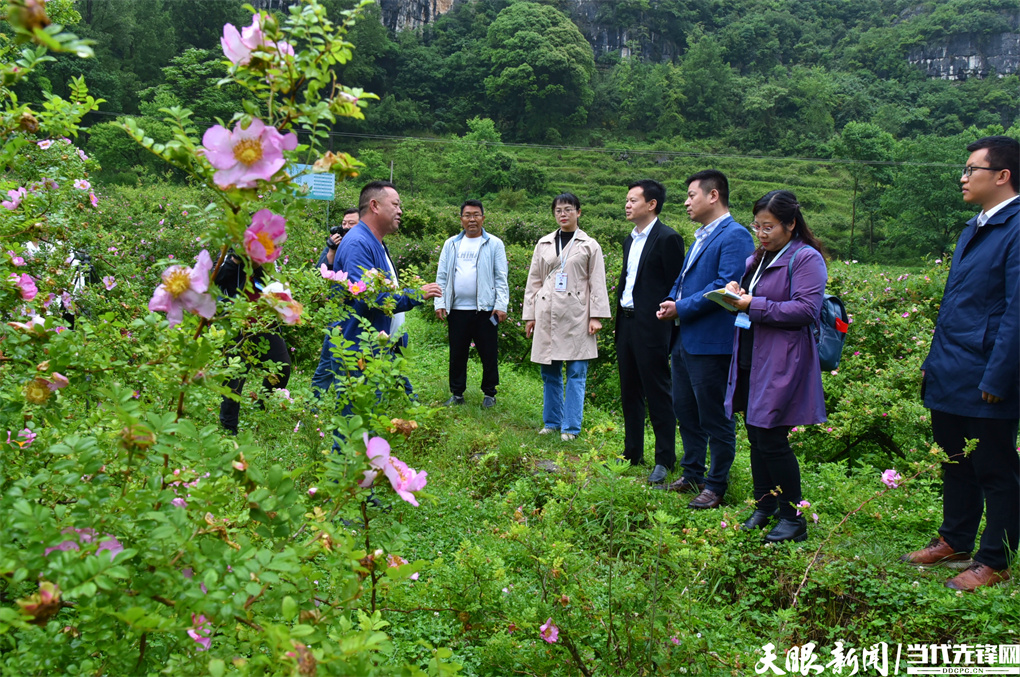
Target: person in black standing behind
336,233
653,256
261,347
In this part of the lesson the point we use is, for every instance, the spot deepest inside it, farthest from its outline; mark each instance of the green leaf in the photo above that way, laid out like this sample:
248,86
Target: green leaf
217,667
290,608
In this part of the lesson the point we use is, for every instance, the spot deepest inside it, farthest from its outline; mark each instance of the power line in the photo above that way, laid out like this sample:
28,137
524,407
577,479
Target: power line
593,149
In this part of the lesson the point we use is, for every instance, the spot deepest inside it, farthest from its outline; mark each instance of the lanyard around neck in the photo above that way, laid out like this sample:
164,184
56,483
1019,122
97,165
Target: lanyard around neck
761,266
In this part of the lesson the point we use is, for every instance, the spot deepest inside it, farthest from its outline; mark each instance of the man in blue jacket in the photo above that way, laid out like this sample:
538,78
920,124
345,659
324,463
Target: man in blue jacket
971,378
473,276
702,339
362,249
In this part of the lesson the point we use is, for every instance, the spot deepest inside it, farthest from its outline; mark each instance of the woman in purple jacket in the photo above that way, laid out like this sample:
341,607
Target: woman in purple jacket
774,374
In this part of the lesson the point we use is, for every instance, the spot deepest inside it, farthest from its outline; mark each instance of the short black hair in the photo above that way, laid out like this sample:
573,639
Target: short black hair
472,203
1003,153
371,191
651,190
712,179
568,199
352,210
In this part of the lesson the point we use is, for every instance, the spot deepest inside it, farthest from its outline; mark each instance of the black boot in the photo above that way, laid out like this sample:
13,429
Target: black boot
788,529
758,519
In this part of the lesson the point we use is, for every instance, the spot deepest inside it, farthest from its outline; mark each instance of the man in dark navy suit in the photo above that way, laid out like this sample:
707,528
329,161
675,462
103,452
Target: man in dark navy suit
653,255
703,339
971,378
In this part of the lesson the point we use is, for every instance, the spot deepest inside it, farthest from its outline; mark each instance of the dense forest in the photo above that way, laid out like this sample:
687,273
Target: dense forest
504,88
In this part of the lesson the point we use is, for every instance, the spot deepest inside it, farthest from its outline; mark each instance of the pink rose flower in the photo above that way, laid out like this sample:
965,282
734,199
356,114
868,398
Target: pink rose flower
404,479
26,285
356,287
16,197
26,438
550,632
264,236
283,303
179,503
339,276
44,144
238,46
111,545
891,478
56,381
245,155
109,282
17,260
185,288
394,561
93,199
201,631
82,184
82,155
378,452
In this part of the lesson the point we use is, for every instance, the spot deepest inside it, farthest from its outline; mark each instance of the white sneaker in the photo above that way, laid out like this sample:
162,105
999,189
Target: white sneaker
567,437
545,431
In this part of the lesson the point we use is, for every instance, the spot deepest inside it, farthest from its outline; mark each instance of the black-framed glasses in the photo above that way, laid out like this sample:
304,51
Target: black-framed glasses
969,170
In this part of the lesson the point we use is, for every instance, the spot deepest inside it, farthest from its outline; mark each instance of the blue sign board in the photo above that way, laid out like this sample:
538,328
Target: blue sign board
320,186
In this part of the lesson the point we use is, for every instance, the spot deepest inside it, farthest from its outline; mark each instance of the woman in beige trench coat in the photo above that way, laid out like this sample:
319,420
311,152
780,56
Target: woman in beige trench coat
564,301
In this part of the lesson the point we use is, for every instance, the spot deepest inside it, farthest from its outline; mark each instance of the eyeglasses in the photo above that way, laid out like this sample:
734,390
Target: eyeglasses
968,170
471,217
759,229
564,211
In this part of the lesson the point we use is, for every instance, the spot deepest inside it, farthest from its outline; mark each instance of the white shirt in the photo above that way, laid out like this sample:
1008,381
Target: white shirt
465,274
398,318
633,259
984,216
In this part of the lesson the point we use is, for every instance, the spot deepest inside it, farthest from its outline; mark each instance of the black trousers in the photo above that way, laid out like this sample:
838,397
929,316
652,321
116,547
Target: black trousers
645,377
988,477
473,325
775,471
276,351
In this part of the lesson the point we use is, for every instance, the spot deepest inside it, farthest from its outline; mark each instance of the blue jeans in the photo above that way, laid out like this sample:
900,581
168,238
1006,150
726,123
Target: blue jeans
325,372
564,411
699,397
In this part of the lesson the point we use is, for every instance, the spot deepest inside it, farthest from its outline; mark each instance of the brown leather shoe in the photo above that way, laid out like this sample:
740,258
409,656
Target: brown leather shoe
685,486
938,553
976,575
705,500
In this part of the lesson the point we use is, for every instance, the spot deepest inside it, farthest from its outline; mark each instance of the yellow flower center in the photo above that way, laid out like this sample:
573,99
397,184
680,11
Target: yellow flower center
266,242
248,151
36,391
178,282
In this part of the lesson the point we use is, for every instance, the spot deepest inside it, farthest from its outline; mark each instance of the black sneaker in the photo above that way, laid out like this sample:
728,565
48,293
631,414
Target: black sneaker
454,400
488,402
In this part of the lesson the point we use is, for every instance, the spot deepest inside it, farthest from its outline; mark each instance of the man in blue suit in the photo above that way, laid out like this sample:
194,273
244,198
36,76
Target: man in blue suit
360,250
702,339
971,378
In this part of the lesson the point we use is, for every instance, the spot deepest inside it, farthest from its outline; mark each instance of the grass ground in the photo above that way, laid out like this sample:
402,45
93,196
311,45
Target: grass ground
518,528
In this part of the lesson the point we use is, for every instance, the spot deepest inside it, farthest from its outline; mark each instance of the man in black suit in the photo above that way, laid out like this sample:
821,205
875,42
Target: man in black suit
653,256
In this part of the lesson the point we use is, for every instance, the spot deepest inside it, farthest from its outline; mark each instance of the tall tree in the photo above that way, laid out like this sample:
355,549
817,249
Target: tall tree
541,69
863,143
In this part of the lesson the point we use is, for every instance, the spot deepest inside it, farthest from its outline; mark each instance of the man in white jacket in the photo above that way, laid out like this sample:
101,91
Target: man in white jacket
473,276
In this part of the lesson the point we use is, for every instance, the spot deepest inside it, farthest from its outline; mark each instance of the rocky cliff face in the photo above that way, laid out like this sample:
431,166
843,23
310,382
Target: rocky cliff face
401,14
970,55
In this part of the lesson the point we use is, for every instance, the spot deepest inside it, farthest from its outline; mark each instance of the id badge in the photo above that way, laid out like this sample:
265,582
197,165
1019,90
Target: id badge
743,321
561,282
